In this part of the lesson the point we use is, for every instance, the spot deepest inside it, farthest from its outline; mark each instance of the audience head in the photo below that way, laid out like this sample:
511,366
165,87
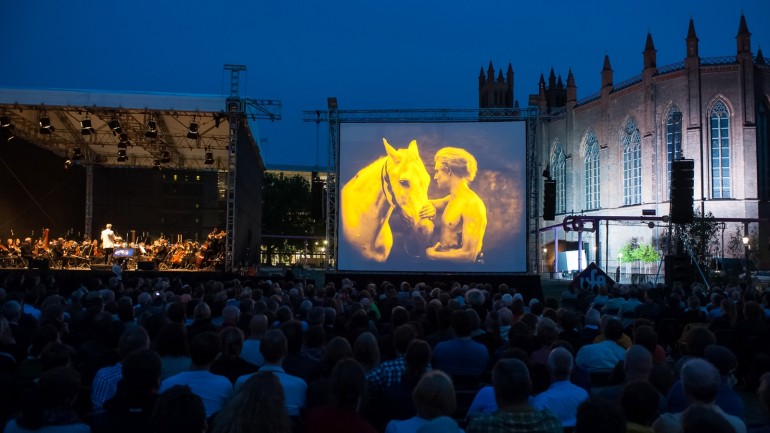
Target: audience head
347,384
612,329
599,415
141,373
640,401
336,349
366,350
178,410
402,336
232,342
204,349
257,407
434,395
637,363
703,419
462,325
258,325
560,363
273,346
700,380
135,338
511,382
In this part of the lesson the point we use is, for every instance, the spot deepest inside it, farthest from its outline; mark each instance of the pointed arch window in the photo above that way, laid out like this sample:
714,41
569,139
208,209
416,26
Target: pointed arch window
632,164
673,143
720,151
558,167
592,178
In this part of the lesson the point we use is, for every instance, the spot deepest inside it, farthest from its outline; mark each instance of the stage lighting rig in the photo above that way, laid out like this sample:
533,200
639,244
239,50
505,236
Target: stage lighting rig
122,156
77,154
152,129
5,121
165,157
86,128
209,157
45,125
192,132
114,124
123,142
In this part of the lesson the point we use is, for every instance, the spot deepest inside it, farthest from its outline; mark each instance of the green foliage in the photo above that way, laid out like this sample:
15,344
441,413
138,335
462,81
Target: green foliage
702,237
634,251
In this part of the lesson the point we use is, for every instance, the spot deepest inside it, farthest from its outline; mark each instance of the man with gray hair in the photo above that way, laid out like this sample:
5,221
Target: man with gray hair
701,382
562,397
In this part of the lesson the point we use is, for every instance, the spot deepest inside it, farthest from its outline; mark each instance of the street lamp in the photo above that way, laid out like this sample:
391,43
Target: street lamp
746,256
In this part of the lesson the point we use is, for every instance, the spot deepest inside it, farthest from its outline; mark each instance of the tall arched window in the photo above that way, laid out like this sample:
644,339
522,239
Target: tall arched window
763,150
632,164
673,142
592,172
558,167
720,151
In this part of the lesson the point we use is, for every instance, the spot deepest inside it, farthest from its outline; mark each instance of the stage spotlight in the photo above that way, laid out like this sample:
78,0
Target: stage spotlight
5,121
152,129
45,125
67,163
114,124
123,141
192,133
209,159
7,133
122,156
77,155
85,127
217,120
165,158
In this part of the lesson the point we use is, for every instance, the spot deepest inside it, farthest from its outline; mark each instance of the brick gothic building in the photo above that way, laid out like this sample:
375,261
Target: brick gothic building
611,153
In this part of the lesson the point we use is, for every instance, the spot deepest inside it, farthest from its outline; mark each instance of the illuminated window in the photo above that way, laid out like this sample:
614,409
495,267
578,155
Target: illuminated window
673,142
632,164
558,174
592,172
720,151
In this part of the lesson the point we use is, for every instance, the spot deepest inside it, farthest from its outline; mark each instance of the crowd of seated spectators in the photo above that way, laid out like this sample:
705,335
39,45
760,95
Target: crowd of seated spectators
254,355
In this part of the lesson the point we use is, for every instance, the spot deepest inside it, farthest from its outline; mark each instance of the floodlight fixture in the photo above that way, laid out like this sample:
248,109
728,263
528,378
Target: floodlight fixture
156,163
165,157
152,129
45,125
192,132
209,158
5,121
86,128
77,154
122,156
114,124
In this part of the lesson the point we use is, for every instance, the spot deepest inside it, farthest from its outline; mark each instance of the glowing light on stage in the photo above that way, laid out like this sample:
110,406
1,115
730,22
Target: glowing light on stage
45,125
85,127
192,132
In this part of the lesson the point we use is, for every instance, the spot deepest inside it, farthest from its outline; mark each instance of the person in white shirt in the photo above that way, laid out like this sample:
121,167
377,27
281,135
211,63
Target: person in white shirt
108,242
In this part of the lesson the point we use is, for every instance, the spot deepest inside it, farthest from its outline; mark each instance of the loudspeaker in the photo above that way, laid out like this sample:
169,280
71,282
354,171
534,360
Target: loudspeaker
145,266
682,173
41,264
549,200
678,269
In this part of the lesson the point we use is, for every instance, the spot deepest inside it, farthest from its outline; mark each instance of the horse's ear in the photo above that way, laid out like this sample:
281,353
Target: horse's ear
413,148
392,152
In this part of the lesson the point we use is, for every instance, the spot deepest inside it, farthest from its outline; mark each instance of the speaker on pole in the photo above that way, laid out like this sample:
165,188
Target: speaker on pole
549,200
682,173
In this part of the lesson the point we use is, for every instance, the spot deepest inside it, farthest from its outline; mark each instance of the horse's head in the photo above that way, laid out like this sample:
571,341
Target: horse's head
408,181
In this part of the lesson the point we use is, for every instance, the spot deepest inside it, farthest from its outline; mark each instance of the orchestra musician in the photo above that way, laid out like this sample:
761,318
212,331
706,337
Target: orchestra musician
26,250
108,242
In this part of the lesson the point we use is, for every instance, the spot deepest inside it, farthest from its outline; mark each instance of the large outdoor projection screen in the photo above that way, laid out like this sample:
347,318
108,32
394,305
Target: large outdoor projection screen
399,213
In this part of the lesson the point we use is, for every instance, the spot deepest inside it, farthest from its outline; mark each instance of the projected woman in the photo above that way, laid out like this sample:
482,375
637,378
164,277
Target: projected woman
464,215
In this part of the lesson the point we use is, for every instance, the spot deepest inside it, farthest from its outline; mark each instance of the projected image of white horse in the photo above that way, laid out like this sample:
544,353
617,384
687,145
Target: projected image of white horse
396,181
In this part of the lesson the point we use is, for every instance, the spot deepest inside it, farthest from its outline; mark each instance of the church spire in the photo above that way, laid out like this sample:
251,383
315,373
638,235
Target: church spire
692,40
744,37
490,72
650,53
607,72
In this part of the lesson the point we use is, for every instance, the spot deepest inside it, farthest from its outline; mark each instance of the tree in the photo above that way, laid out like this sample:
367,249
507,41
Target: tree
286,210
701,237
